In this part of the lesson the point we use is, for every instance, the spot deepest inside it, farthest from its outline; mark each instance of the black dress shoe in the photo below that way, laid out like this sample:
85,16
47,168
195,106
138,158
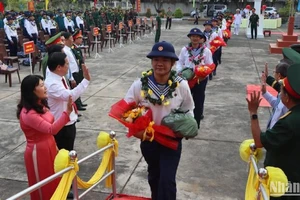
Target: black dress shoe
83,104
202,117
210,77
78,120
79,115
70,195
81,108
214,73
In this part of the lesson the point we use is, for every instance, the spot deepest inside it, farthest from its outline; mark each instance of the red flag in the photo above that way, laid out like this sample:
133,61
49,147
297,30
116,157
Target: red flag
1,7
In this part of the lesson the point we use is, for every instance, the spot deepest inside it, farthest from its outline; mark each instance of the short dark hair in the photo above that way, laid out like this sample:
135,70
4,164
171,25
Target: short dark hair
55,48
282,68
29,100
55,59
66,35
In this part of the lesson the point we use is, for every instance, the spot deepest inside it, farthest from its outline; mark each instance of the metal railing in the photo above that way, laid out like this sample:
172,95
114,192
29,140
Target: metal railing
261,172
73,156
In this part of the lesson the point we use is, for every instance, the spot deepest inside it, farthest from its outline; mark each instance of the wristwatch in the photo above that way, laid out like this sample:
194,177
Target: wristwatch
254,116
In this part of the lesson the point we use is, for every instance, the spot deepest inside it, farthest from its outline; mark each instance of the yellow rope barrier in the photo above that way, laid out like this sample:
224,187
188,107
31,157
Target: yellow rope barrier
62,161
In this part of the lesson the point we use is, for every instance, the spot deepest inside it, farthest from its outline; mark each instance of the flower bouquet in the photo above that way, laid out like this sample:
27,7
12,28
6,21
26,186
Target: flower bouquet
216,43
138,118
200,72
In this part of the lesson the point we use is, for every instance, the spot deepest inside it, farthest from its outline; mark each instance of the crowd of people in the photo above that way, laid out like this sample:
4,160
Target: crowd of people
48,108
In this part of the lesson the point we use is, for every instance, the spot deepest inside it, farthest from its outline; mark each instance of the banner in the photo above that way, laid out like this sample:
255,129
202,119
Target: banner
46,4
138,5
30,6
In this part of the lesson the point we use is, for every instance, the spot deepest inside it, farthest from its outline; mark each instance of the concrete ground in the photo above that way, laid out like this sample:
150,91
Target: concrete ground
210,166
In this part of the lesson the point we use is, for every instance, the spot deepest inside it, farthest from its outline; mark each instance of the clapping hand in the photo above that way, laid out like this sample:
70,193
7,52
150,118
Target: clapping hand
263,83
253,102
86,73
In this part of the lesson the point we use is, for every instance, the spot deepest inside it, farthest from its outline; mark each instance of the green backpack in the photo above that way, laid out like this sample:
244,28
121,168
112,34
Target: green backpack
181,123
187,74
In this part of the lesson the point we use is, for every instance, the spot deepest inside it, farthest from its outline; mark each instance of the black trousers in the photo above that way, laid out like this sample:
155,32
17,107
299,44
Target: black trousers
13,48
78,77
34,38
198,93
196,20
253,28
70,29
52,32
81,28
169,22
65,138
162,168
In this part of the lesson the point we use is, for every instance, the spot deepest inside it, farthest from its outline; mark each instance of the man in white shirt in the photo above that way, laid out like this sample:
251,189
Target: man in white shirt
12,36
58,95
31,28
237,22
73,63
278,108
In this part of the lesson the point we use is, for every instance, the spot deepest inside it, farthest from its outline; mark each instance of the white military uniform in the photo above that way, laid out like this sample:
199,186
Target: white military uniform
183,99
79,20
45,25
10,31
31,27
184,58
210,36
69,22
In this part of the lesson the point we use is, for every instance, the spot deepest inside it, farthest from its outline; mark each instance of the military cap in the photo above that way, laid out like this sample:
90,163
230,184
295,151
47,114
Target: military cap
291,54
195,31
77,34
163,49
292,82
207,23
9,18
214,19
54,40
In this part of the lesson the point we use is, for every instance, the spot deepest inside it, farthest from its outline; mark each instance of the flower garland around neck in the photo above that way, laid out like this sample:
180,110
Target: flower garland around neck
146,92
195,59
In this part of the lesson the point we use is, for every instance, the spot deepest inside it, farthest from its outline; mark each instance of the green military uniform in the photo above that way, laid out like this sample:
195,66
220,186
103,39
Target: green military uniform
52,41
96,17
89,22
289,54
158,28
78,77
253,20
169,19
282,142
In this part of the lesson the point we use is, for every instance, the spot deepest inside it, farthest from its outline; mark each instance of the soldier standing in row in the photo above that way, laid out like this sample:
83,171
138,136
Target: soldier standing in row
78,76
12,36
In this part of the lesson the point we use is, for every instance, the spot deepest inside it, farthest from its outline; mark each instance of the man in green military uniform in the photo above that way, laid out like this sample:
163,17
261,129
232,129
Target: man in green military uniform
290,56
96,16
60,21
89,21
158,26
78,76
56,39
169,18
282,142
253,22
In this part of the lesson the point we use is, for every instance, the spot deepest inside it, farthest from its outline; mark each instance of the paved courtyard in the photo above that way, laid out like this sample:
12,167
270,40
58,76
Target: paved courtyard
210,166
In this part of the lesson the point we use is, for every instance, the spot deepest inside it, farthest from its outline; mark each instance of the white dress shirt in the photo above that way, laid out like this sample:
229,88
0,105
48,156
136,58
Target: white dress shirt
69,22
45,24
30,27
183,99
10,31
58,95
79,21
279,109
184,59
73,65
